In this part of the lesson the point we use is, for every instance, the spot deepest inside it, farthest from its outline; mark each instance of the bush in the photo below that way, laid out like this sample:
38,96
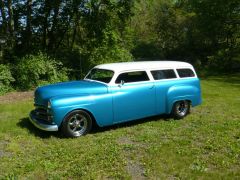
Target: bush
5,78
37,70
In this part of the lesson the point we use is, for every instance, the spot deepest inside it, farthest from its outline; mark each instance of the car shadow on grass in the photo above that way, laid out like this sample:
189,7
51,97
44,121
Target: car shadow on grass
97,129
26,124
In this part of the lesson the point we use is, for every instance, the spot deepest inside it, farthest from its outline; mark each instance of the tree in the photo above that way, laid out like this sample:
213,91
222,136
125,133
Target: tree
217,29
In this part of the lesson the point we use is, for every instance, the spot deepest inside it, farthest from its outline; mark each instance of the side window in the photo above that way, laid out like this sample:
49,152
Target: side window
185,73
132,77
164,74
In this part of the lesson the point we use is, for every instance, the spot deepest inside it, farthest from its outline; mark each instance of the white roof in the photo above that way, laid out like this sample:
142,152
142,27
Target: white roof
142,65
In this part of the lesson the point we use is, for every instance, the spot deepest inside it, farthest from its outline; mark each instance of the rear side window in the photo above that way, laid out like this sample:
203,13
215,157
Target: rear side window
132,77
163,74
185,73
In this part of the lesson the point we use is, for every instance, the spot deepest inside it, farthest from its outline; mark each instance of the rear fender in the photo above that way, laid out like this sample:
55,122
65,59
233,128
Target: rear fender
183,92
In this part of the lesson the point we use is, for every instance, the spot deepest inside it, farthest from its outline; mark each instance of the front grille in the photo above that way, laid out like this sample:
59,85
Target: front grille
41,113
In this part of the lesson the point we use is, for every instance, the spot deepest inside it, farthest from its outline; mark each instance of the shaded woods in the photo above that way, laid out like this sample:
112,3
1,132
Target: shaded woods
44,41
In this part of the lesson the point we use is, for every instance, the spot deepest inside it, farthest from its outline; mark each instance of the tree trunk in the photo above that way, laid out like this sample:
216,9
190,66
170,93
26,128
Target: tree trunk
47,10
76,24
10,21
51,35
4,24
29,22
74,34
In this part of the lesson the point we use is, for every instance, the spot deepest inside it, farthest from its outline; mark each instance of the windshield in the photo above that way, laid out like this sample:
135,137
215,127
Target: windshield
102,75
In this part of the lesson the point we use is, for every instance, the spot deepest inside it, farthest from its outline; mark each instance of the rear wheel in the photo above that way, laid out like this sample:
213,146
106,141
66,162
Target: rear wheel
76,123
180,109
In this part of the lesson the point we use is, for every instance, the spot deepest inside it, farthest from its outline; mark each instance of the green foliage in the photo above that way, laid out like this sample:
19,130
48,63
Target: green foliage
160,29
82,34
5,79
105,55
206,33
36,70
106,30
215,30
110,50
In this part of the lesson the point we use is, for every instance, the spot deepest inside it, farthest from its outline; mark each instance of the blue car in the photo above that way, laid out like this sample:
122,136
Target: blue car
116,93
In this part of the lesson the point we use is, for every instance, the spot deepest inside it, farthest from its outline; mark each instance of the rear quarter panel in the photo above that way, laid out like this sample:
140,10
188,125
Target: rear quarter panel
184,89
170,91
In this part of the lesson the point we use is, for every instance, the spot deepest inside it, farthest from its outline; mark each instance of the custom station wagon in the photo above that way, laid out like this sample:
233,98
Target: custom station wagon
116,93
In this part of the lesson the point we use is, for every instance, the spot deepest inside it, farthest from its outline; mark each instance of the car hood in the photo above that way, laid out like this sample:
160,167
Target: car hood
44,93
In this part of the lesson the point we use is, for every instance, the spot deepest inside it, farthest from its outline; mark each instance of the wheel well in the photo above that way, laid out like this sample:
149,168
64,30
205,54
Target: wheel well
93,118
190,102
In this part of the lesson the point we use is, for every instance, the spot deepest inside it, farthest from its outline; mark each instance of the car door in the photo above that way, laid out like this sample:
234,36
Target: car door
164,79
133,96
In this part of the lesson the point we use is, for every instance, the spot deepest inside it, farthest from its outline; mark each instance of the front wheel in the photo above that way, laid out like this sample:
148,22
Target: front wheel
76,123
180,109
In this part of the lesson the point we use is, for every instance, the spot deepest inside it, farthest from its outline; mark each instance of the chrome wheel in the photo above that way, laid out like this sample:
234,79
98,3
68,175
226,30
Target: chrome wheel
180,109
77,124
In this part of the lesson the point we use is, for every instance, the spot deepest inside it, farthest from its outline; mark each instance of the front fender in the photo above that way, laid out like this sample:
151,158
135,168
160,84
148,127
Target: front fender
61,105
99,105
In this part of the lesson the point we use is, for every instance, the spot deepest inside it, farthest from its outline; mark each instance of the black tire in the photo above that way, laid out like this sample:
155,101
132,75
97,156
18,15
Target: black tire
77,123
180,109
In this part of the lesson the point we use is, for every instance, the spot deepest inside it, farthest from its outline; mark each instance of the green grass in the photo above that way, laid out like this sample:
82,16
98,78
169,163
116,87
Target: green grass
205,145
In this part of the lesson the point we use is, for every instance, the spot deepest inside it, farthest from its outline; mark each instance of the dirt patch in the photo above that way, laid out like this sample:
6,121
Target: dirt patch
16,96
135,170
124,141
3,145
133,167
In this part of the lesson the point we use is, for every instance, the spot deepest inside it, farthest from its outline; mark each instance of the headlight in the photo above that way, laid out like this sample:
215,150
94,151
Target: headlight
49,105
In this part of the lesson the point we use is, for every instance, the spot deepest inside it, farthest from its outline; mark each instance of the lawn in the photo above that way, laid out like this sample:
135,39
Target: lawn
205,145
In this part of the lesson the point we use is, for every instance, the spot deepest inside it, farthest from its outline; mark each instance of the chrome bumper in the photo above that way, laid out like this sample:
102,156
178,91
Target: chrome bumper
45,127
